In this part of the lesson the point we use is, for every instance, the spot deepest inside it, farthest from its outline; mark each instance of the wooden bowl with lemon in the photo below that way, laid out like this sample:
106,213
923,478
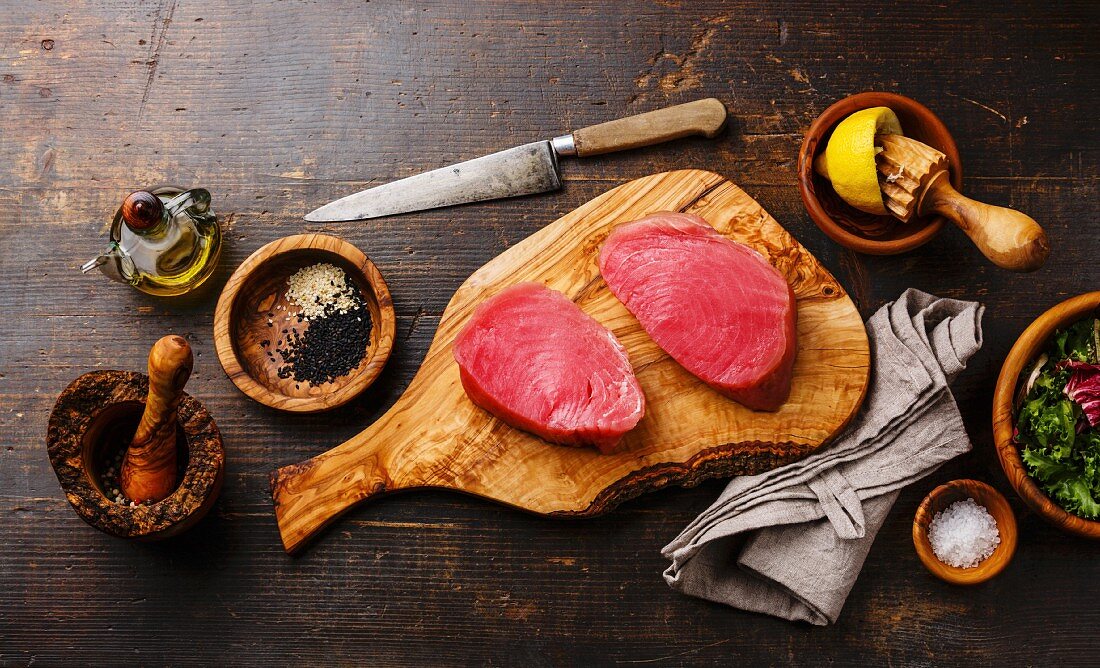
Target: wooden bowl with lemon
879,173
851,165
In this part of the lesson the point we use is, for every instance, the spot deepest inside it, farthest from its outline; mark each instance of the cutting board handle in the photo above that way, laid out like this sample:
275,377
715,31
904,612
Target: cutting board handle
311,494
702,117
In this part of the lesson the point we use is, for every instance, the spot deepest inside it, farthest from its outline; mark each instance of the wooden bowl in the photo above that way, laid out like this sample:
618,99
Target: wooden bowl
1027,348
861,231
942,497
102,408
253,296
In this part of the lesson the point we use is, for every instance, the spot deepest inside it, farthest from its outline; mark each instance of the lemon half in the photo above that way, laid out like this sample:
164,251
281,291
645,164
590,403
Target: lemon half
849,158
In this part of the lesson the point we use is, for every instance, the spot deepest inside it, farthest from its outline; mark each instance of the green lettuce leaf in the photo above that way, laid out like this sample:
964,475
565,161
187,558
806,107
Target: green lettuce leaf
1059,448
1077,342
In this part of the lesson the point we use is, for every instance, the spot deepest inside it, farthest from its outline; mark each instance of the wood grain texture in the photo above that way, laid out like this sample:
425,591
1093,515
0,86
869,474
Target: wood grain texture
993,501
254,316
1010,239
908,167
280,107
142,210
434,436
149,469
918,182
1026,349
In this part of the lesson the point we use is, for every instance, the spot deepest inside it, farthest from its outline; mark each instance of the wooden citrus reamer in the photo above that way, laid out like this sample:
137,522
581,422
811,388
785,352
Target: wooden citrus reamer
914,181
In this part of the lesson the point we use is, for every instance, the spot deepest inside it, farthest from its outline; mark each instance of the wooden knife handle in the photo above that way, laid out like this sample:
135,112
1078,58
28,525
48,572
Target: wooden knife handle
702,117
149,470
1010,239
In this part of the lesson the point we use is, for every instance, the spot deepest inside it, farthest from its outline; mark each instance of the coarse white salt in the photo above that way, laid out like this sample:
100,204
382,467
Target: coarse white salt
319,288
964,534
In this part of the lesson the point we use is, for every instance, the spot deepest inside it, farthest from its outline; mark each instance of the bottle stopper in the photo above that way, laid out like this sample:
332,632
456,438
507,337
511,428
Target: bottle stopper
142,210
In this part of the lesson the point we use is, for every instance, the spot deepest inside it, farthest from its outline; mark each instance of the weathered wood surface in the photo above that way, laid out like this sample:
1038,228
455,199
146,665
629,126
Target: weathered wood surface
434,436
278,108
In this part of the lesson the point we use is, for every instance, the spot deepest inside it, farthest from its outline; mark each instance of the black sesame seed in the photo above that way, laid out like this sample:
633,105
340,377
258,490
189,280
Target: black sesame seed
332,345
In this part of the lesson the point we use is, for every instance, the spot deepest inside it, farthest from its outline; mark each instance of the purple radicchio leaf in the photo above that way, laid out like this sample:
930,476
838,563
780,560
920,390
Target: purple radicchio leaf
1083,387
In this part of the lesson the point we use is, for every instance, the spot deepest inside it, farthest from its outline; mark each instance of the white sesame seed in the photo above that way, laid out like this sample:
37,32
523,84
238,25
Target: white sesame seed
319,286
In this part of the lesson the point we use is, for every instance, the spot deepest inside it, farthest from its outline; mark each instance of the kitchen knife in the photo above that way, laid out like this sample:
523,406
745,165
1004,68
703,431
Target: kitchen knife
524,170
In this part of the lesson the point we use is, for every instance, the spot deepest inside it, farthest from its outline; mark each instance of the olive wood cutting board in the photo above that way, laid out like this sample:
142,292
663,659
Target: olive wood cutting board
435,437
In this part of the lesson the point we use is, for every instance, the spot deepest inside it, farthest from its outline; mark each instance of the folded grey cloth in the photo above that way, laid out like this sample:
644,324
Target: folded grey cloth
791,542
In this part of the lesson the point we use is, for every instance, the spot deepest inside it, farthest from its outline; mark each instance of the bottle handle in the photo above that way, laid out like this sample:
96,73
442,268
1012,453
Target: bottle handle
197,200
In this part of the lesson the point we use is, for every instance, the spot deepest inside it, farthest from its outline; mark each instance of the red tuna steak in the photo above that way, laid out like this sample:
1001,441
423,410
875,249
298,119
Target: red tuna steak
715,306
532,358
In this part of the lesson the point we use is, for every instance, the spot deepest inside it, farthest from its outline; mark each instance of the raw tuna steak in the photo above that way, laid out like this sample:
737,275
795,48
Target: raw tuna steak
532,358
715,306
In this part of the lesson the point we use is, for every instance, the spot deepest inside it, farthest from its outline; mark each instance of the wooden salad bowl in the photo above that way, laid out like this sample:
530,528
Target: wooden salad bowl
861,231
942,497
254,294
1027,347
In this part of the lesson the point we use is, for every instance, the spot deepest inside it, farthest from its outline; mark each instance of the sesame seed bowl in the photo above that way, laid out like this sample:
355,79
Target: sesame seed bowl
305,324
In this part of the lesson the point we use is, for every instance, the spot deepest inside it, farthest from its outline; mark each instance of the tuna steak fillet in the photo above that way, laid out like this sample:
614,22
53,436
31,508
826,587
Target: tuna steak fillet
532,358
715,306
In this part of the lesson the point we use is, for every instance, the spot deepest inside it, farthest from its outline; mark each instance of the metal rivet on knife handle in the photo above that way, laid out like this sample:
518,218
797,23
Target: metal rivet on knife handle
702,117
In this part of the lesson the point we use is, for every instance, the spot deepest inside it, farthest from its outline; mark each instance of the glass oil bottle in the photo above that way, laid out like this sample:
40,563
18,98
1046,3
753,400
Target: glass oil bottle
164,241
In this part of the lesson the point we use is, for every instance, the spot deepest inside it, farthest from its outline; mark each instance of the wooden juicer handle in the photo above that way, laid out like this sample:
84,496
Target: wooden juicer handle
913,177
149,470
1010,239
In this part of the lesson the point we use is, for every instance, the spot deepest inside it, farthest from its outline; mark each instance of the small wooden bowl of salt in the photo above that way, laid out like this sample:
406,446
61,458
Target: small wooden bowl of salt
305,324
964,532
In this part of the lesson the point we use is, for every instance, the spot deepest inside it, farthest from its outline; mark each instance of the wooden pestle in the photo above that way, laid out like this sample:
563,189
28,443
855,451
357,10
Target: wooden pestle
149,469
914,180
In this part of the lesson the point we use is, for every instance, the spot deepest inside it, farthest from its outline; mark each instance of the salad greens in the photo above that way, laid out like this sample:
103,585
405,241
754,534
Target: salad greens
1059,446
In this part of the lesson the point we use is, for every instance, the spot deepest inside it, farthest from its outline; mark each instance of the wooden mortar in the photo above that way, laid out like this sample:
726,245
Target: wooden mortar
102,409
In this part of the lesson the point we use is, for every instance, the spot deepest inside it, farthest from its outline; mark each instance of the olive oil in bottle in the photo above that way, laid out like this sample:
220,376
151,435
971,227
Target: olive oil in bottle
164,241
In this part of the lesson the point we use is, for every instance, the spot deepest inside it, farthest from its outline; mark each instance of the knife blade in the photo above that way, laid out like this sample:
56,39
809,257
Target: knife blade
523,170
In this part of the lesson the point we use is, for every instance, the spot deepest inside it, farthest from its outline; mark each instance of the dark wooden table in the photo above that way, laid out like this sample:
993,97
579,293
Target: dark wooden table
279,108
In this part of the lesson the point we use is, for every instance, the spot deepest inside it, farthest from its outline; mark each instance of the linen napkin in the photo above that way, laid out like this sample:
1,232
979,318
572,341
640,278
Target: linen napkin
791,542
